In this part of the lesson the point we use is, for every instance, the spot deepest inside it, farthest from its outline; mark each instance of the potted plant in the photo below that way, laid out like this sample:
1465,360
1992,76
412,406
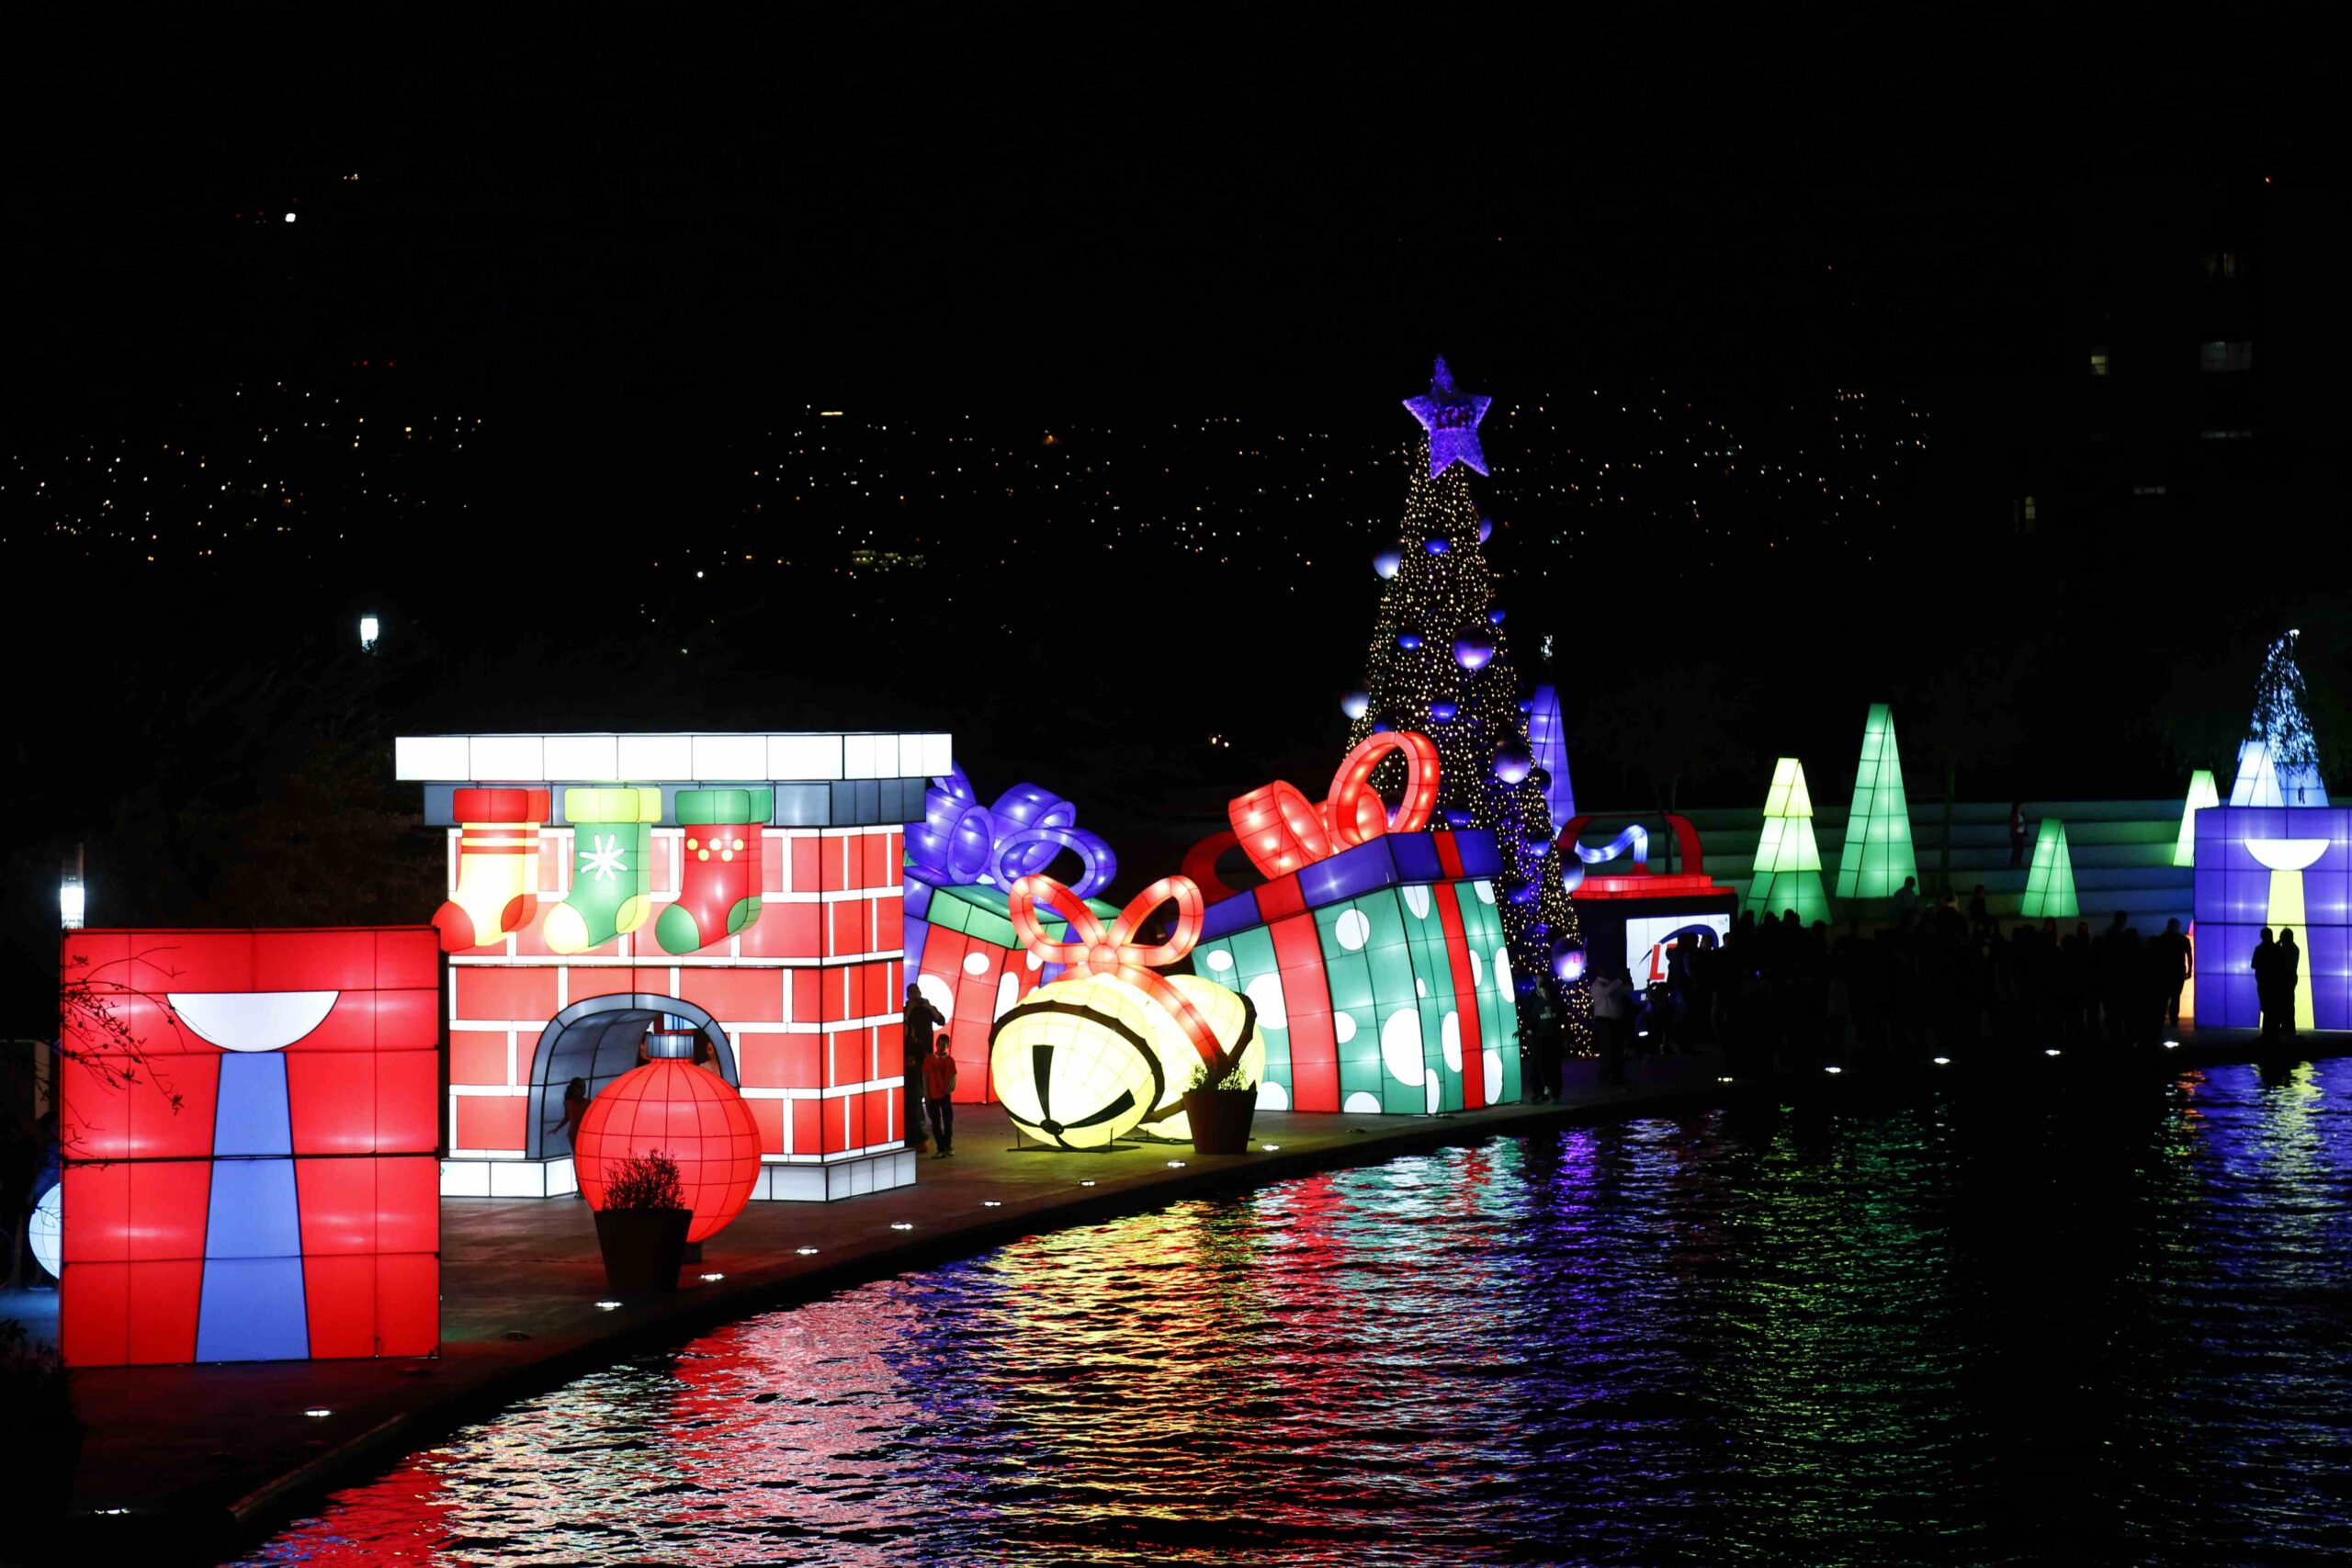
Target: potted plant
641,1229
1220,1111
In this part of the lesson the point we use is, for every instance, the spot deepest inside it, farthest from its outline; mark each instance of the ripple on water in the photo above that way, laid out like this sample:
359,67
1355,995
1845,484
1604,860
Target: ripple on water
2108,1329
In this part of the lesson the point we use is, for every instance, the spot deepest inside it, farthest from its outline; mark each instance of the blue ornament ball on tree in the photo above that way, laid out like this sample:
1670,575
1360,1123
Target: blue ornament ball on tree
1473,648
1436,546
1408,641
1387,562
1513,762
1355,704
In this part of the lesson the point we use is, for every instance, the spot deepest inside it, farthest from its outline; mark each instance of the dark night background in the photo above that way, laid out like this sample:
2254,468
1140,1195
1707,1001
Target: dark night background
1790,313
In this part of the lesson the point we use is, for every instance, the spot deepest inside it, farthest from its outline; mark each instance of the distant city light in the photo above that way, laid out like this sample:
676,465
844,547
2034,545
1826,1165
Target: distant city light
1833,1069
289,218
369,629
2052,1051
1943,1061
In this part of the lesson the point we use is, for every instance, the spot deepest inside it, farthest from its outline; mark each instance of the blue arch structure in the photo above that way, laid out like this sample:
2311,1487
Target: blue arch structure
598,1040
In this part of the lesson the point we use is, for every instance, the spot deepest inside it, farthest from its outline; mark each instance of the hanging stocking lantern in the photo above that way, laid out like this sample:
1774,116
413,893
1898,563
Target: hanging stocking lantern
611,840
498,855
718,881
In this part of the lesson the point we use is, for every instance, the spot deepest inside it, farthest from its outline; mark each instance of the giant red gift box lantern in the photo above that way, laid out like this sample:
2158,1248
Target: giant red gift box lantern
253,1177
1372,953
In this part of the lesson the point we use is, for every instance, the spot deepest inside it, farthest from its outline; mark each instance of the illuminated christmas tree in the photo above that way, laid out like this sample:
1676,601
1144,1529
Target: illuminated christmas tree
2283,729
2203,792
1440,664
1788,860
1878,855
2049,884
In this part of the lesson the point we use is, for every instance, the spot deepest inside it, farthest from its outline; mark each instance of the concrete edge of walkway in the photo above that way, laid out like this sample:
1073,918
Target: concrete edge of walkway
660,1322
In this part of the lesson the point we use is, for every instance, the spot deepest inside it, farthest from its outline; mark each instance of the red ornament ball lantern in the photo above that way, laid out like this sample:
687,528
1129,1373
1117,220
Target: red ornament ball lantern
671,1106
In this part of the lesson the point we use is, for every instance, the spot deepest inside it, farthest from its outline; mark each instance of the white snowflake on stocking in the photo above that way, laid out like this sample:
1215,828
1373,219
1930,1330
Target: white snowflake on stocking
605,861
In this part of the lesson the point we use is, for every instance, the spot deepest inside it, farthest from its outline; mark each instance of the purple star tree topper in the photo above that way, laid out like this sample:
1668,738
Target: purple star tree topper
1451,419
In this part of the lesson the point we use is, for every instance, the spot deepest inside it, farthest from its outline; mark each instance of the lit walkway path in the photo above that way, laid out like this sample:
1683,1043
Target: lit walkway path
196,1451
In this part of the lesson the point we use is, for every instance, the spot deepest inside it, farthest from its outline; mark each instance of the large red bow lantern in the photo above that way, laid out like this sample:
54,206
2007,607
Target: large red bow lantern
1095,951
1281,831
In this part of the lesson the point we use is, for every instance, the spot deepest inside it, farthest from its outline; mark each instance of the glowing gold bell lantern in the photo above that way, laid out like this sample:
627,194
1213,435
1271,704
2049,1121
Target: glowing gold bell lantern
1089,1058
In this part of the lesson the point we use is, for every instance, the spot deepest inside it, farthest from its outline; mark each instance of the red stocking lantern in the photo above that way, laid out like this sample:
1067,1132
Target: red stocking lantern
671,1106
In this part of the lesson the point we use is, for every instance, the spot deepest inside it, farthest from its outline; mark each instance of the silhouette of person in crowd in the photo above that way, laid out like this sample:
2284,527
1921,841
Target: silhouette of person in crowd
2264,966
2289,961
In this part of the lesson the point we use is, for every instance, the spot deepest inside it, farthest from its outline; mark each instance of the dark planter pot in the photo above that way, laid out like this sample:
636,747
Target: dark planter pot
643,1248
1220,1119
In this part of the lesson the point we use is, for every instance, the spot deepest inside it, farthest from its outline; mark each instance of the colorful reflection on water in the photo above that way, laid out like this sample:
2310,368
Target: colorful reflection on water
2114,1328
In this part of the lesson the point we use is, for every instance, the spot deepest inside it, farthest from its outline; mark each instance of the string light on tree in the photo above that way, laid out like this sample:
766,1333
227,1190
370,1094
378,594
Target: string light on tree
1439,663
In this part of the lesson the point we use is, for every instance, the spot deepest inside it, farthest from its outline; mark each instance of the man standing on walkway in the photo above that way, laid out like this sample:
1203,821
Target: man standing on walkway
1613,1006
2290,972
939,1096
923,1020
2175,968
2264,966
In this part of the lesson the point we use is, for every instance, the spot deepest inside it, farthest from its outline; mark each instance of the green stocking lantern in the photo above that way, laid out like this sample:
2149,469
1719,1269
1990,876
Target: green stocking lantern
611,839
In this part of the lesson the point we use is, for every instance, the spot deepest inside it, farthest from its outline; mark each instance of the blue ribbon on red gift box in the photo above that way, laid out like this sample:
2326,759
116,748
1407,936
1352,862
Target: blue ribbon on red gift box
1384,862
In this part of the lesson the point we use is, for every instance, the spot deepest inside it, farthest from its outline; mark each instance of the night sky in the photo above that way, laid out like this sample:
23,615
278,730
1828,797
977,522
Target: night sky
638,242
1087,204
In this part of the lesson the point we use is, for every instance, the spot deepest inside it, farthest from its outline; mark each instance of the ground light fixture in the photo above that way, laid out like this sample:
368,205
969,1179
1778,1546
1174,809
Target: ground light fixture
806,1251
713,1279
991,1203
2172,1044
2051,1050
1723,1080
1833,1069
1175,1165
1942,1061
318,1412
608,1306
1088,1182
1271,1148
902,1225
